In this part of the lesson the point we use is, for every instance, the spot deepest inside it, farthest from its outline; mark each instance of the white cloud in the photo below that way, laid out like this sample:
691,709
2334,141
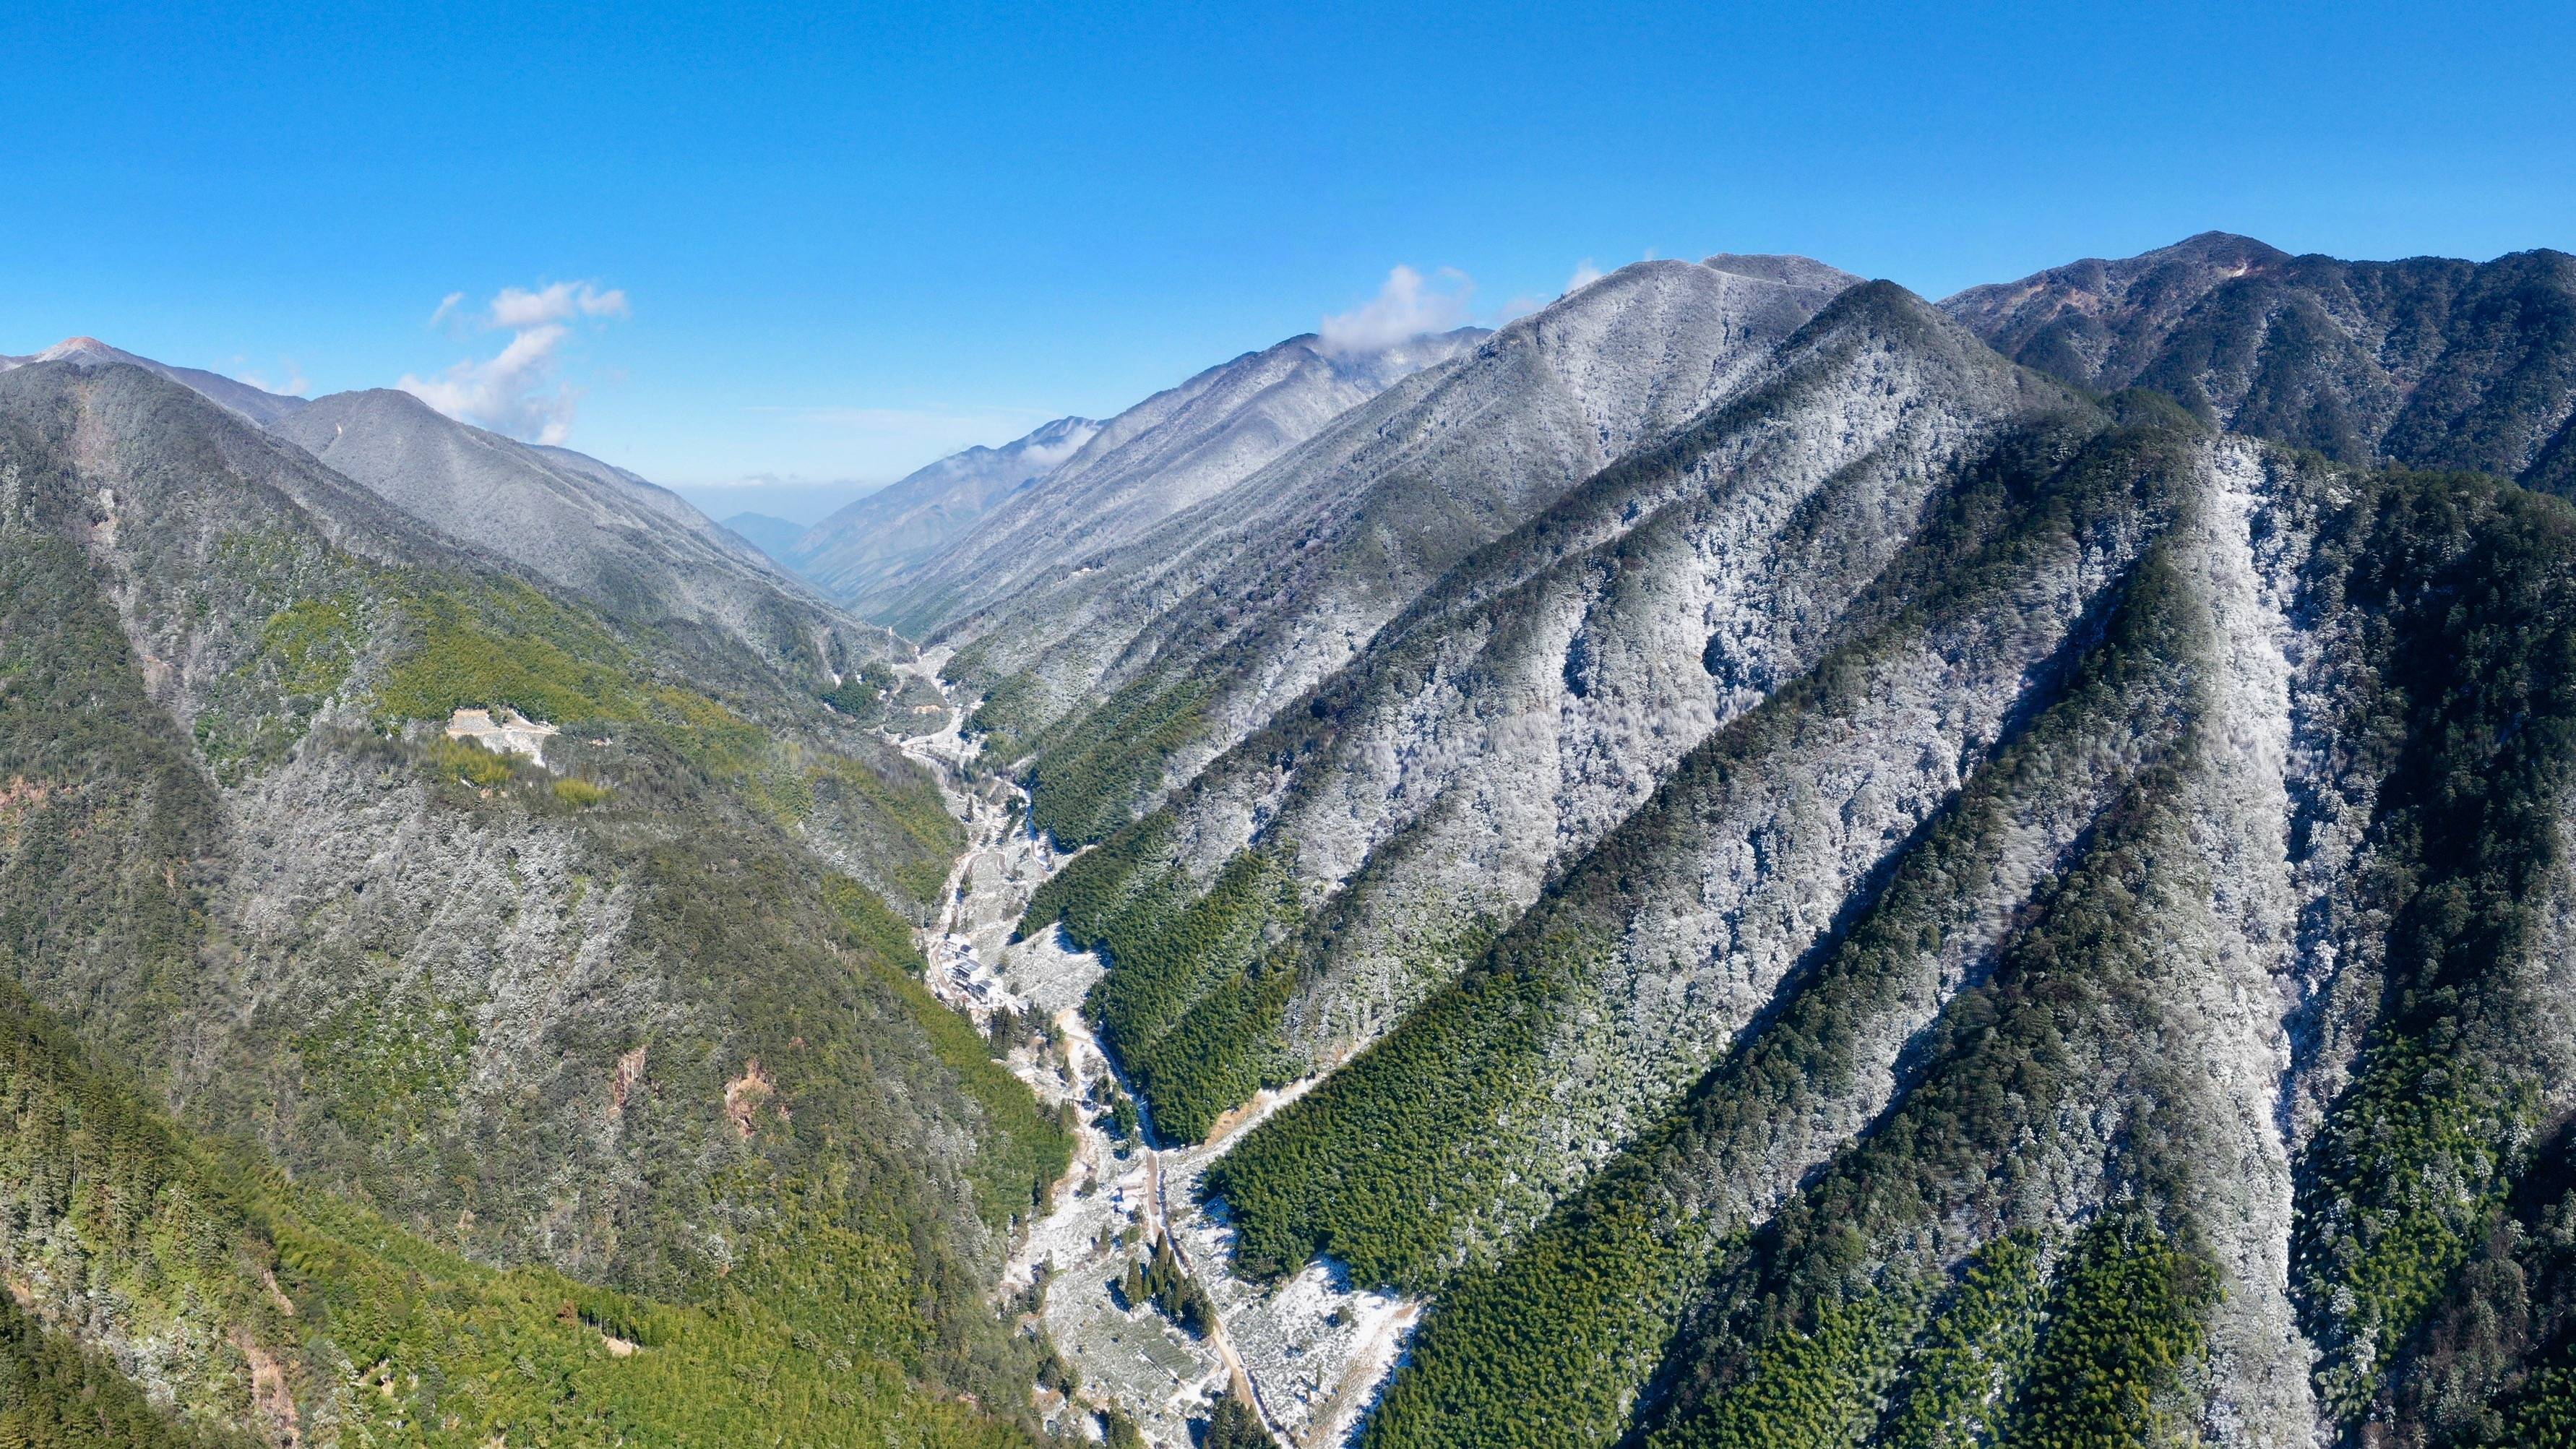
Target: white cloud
1586,272
518,392
561,302
1047,455
1407,306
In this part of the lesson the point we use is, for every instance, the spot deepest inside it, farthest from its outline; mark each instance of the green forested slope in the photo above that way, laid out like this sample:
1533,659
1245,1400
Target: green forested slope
1588,1302
2424,1204
262,1304
644,1018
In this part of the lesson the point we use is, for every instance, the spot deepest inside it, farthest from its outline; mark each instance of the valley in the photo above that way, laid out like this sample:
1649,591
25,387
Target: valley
1311,1353
1743,858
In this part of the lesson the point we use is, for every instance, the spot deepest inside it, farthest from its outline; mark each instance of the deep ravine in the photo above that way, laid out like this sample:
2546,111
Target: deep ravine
1312,1352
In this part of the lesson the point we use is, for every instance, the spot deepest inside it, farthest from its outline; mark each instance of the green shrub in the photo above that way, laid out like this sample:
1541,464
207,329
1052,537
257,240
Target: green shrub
314,641
2125,1317
467,760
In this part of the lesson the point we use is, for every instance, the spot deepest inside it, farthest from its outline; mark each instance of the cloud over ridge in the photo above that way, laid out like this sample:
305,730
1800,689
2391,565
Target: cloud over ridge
519,391
1409,305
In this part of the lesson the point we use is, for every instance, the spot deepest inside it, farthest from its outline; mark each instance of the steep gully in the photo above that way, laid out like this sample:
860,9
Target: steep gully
1310,1353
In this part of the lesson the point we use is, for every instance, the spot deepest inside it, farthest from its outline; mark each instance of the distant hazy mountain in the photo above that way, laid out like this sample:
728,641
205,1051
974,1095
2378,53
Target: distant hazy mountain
2430,362
1164,454
775,537
256,404
637,550
860,546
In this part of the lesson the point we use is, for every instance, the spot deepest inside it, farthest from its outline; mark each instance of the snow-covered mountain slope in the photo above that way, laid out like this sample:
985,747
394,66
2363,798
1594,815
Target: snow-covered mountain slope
1533,698
1919,905
634,549
1154,658
1159,457
911,521
2430,362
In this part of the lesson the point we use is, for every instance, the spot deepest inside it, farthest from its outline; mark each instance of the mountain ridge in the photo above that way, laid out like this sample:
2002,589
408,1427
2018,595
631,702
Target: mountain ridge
851,552
625,544
1147,634
255,403
2428,362
1167,453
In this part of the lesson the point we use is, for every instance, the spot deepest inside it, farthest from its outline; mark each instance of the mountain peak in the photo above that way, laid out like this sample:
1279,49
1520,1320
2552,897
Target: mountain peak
86,351
2220,247
1788,267
253,402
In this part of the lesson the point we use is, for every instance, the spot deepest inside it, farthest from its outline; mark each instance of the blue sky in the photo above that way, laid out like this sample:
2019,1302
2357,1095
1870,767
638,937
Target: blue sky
837,247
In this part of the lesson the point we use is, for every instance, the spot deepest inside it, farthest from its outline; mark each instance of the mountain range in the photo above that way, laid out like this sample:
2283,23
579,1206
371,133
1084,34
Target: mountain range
1780,861
916,518
1149,462
1905,891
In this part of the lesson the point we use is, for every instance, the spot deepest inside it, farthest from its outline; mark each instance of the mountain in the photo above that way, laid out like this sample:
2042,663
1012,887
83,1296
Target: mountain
1168,452
635,550
370,1086
1747,859
255,403
1492,732
1909,902
1133,668
907,522
775,537
2430,362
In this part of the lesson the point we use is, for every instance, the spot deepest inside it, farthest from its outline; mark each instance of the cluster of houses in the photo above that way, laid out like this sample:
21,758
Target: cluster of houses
963,973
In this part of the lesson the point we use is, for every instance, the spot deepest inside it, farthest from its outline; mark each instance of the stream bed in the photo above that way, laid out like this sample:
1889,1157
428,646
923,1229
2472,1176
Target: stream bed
1312,1351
